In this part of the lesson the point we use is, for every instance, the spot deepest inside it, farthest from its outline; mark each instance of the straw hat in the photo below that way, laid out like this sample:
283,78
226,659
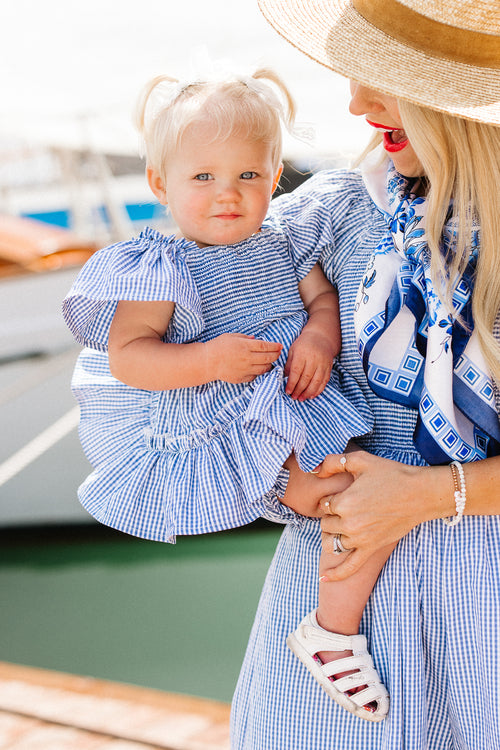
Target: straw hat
443,54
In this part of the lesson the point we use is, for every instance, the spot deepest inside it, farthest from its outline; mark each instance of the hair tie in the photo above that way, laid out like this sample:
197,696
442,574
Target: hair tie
263,90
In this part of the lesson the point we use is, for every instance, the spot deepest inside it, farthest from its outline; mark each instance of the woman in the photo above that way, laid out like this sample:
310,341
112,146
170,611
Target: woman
408,251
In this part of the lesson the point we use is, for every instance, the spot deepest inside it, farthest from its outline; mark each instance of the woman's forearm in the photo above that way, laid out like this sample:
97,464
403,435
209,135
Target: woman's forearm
435,487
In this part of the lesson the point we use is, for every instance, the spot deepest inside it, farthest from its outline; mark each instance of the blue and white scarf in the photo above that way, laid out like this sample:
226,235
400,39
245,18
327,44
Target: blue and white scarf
414,351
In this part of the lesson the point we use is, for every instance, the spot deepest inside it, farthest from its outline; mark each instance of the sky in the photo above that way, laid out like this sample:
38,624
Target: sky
71,70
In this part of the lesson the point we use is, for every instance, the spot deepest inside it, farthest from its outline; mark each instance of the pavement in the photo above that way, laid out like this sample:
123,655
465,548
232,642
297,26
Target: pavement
45,710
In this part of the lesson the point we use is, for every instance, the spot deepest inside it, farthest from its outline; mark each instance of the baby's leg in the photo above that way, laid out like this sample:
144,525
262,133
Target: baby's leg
341,603
305,490
347,674
329,645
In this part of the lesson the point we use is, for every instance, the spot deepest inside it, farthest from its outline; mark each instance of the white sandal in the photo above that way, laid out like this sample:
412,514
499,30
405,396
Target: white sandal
310,638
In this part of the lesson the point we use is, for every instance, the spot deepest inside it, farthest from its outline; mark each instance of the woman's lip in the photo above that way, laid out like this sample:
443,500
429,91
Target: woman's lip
378,125
391,147
389,144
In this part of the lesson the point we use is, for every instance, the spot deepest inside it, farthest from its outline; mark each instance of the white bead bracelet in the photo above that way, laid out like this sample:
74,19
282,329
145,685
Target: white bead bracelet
460,493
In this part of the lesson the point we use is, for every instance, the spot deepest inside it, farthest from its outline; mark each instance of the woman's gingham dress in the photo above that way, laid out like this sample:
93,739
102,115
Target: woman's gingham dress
206,458
433,620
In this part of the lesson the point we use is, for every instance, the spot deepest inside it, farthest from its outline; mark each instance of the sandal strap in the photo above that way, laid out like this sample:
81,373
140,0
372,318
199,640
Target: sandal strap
375,693
317,639
351,681
359,662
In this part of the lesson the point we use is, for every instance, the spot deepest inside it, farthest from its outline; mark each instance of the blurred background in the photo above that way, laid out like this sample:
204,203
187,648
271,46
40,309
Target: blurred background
77,597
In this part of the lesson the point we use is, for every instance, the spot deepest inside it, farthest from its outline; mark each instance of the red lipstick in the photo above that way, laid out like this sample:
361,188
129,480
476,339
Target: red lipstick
390,145
394,138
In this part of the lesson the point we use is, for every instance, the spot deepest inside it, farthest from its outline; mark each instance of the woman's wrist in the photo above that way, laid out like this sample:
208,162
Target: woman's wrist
438,492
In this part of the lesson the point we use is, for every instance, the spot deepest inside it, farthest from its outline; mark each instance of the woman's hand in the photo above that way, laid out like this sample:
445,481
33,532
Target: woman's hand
384,502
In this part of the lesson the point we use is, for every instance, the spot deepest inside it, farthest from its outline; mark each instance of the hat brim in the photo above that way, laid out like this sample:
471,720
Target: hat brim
334,34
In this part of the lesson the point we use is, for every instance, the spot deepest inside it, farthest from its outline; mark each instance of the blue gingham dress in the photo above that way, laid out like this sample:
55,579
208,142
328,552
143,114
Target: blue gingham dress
205,458
433,619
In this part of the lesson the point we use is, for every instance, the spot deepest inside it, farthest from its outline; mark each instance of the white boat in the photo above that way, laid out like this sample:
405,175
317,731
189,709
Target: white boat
41,461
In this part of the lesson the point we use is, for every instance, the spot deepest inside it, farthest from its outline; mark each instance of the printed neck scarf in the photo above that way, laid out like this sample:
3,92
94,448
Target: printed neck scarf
413,351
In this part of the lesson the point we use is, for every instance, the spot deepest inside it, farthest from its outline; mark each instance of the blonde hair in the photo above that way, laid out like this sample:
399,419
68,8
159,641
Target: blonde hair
253,106
461,162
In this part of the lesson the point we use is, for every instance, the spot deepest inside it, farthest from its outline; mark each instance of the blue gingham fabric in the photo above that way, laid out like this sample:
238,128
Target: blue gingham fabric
433,619
201,459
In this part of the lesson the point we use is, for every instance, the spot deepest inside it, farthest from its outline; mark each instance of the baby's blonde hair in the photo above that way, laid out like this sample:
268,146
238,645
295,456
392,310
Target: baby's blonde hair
253,106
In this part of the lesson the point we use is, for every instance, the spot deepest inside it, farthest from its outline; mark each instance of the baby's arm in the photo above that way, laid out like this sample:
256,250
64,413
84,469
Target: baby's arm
139,357
311,355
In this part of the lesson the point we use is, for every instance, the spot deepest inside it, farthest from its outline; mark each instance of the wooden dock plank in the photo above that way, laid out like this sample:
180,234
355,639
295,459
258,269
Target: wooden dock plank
41,709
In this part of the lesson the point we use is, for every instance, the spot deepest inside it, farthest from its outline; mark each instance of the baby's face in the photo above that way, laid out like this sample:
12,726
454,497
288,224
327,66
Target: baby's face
218,191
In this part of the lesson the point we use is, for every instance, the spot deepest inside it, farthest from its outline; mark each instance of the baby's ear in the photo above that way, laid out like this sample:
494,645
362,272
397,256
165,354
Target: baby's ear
277,177
156,184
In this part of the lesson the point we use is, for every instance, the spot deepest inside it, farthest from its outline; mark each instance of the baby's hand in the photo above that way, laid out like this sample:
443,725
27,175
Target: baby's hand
236,358
309,365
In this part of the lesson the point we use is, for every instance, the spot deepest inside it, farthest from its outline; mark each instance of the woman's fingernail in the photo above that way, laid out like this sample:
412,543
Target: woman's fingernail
314,471
323,579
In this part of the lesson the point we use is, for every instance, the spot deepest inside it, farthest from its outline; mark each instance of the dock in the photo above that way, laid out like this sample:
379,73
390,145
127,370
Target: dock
46,710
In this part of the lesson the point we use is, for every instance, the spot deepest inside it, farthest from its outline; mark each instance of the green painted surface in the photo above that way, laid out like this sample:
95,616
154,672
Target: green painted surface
173,617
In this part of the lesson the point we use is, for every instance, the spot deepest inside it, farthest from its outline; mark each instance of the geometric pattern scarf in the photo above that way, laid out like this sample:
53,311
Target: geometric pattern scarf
414,352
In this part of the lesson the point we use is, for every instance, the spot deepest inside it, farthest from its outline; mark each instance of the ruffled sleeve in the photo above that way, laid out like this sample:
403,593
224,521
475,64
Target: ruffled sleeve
148,268
310,216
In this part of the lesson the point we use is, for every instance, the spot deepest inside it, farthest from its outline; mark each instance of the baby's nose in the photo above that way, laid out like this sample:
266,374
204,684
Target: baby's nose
228,192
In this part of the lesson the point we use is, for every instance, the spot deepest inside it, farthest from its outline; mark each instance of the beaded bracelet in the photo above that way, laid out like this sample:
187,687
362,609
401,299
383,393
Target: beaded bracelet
460,493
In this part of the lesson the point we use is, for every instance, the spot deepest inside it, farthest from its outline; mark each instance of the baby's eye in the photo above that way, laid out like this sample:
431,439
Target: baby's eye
203,176
248,175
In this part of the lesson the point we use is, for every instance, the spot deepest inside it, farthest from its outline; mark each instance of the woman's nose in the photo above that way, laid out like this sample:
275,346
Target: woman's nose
365,100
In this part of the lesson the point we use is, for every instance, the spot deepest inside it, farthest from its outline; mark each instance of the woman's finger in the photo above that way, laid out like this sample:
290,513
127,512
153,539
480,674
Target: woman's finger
351,563
327,505
330,523
339,462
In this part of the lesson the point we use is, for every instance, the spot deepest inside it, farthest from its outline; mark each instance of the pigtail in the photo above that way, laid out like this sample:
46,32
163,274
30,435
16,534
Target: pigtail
144,100
288,108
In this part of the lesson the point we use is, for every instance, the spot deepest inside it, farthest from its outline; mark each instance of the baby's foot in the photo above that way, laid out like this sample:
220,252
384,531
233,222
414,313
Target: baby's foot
347,673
